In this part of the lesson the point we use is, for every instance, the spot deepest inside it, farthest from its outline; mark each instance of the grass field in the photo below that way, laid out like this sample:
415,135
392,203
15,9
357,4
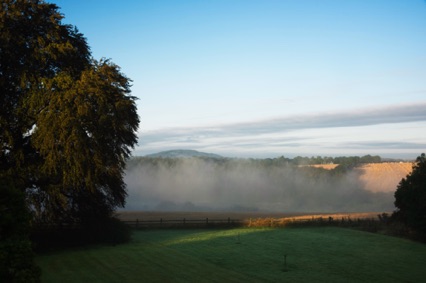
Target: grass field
243,255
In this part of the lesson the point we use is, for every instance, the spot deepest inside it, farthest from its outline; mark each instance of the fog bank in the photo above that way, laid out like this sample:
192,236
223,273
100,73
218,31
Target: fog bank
194,184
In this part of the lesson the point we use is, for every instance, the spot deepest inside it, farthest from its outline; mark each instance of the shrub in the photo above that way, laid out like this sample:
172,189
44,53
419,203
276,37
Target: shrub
410,197
16,254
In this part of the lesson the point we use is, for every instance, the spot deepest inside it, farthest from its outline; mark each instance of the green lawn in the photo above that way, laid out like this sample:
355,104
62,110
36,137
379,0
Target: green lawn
243,255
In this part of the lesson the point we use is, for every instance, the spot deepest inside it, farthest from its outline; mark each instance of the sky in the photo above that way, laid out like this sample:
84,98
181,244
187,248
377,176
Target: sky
265,78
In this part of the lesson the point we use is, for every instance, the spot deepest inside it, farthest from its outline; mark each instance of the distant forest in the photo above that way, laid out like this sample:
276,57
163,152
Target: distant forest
298,160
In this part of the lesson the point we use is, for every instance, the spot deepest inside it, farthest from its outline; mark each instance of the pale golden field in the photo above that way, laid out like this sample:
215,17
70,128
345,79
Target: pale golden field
325,166
383,177
378,177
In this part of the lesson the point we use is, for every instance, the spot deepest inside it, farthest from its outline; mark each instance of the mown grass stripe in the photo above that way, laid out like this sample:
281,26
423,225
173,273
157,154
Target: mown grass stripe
243,255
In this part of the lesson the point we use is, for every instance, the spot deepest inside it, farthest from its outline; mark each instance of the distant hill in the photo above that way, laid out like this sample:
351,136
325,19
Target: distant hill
183,153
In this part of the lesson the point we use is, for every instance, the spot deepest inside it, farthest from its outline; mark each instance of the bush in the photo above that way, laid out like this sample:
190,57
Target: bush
109,231
16,262
16,254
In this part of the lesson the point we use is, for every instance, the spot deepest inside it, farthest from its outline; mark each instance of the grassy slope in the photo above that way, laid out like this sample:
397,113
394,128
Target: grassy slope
243,255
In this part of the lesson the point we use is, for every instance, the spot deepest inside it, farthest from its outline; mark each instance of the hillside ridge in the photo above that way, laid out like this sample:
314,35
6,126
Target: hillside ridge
183,153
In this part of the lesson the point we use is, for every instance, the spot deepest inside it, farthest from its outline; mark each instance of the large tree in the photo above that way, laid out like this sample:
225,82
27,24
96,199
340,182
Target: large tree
67,121
410,197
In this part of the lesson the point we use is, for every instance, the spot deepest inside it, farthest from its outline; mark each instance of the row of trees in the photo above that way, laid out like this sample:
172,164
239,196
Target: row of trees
336,160
280,161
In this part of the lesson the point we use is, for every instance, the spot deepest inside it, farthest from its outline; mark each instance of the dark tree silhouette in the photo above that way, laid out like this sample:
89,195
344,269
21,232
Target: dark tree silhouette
410,197
67,125
67,121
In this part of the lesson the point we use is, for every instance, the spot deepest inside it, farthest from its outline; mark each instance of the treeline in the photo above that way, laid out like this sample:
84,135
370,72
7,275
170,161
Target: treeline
280,161
297,165
315,160
299,160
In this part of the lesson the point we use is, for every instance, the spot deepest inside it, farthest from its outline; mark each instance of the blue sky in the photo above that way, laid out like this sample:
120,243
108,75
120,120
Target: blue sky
264,78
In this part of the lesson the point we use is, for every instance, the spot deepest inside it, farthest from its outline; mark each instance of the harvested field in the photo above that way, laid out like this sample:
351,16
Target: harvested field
325,166
378,177
383,177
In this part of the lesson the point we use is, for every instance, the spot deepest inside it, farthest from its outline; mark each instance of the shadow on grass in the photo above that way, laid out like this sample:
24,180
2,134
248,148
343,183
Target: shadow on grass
310,254
321,254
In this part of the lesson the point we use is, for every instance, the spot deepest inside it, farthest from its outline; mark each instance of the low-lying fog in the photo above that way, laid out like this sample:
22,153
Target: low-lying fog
241,185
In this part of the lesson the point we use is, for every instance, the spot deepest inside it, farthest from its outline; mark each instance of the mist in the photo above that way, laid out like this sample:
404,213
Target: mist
195,184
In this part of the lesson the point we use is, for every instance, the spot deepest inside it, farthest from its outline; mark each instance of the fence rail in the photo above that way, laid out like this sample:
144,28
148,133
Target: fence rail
169,223
208,222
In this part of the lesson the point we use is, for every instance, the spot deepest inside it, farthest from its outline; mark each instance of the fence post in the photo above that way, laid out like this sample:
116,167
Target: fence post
229,220
137,223
184,221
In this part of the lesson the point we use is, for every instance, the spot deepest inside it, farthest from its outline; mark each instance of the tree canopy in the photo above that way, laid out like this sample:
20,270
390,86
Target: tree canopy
410,196
68,122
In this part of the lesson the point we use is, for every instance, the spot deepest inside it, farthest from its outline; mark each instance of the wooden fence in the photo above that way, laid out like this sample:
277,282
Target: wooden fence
252,222
208,222
183,223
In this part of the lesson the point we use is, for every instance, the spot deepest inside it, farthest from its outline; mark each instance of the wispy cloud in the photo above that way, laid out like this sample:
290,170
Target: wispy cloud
284,131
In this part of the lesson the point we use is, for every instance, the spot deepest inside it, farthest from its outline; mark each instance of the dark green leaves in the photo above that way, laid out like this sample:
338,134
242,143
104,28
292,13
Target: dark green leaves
410,197
68,122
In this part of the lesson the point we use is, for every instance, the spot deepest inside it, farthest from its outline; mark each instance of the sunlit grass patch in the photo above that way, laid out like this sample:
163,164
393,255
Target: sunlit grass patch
211,235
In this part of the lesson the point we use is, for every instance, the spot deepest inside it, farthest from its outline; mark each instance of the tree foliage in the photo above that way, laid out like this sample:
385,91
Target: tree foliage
410,196
67,121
